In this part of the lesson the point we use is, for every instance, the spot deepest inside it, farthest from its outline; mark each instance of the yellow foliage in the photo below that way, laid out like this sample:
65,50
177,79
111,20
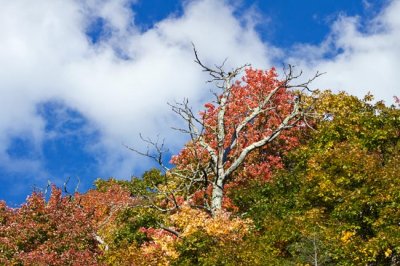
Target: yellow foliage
221,226
347,236
388,252
162,249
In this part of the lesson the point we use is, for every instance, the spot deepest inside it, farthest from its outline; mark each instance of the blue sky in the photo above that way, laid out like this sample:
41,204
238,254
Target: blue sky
78,79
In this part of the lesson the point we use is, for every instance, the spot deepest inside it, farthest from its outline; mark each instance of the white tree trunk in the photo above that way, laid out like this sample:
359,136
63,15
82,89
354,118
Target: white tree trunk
217,196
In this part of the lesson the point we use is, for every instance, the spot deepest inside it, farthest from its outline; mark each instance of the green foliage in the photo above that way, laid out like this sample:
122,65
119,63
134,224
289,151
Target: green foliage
338,200
130,221
195,248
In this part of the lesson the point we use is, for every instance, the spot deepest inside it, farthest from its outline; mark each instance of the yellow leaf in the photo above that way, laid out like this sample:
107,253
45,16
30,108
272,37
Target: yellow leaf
346,236
388,252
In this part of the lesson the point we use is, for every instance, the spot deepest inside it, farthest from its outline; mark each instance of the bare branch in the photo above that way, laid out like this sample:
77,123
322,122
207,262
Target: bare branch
169,230
158,156
289,76
217,74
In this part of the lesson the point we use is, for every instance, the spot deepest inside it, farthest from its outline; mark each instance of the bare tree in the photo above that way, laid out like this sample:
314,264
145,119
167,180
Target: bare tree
222,162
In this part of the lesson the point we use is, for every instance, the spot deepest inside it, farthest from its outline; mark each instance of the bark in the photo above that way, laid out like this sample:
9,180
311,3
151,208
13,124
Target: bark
217,196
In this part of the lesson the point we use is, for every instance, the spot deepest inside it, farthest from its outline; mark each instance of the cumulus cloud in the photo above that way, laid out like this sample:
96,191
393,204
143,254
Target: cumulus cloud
122,83
358,56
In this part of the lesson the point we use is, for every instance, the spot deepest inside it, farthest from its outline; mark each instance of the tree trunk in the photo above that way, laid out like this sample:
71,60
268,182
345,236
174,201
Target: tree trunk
216,198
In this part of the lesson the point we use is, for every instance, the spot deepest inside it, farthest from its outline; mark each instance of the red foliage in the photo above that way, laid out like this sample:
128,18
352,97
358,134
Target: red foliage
244,97
59,232
103,205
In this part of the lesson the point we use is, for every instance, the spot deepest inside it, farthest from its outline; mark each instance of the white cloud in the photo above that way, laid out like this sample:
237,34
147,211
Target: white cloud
368,59
46,56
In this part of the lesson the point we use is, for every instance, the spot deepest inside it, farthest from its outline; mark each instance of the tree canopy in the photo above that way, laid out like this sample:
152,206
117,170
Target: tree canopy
328,194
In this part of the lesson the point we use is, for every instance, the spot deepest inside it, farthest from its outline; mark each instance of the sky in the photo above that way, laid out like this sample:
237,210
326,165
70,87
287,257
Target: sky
80,79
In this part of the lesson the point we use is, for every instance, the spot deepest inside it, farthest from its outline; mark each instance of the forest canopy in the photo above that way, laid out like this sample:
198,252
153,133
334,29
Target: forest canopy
274,174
